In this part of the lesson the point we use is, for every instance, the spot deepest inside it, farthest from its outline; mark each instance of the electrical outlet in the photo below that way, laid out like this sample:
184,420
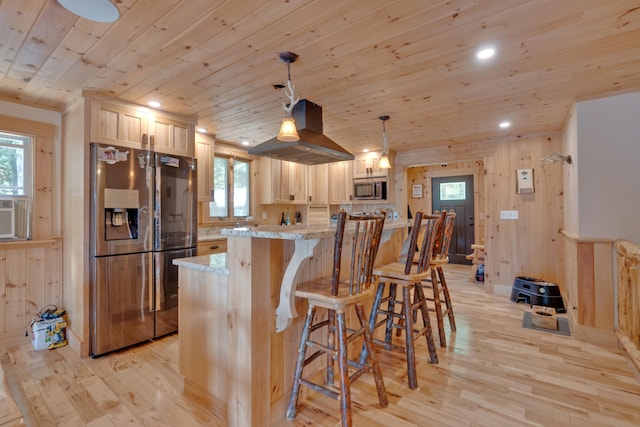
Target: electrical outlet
508,214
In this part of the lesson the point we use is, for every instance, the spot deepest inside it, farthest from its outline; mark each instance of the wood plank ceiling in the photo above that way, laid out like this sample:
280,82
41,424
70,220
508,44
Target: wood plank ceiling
411,59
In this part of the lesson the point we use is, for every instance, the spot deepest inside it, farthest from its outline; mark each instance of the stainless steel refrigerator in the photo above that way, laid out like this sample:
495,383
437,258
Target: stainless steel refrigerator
143,215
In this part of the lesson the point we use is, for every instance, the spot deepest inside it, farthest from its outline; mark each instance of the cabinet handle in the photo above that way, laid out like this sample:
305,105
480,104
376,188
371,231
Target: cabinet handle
310,198
214,247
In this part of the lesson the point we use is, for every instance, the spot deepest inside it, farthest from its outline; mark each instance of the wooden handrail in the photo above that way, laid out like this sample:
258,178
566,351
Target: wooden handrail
628,330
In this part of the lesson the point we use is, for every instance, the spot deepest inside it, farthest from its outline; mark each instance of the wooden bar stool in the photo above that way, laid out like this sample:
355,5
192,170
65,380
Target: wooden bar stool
437,282
399,314
337,294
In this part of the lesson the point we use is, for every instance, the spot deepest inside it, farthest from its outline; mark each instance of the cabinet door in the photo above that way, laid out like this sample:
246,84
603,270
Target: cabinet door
365,165
204,155
318,184
289,182
118,124
280,182
361,166
297,176
374,169
340,182
264,180
173,136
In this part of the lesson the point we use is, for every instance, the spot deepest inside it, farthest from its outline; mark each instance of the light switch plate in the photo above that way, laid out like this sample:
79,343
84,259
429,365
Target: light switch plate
508,214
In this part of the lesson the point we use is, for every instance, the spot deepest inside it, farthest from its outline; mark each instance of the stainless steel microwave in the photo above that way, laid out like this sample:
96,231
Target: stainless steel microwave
370,189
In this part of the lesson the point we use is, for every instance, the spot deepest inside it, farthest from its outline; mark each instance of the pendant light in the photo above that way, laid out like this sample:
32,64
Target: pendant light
288,131
95,10
384,160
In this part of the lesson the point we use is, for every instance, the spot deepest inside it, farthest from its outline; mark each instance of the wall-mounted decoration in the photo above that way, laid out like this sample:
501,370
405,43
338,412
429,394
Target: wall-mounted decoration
416,191
524,184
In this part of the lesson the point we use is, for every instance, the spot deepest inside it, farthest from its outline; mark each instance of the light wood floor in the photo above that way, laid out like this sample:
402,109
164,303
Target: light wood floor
493,373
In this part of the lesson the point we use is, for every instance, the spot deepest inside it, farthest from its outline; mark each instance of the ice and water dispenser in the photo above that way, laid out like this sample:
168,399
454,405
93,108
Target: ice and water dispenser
121,211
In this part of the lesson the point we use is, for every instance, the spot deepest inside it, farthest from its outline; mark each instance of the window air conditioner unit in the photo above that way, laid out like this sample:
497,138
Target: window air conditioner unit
7,219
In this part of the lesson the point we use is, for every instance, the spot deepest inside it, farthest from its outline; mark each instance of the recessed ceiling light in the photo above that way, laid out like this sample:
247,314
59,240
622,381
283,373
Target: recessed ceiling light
365,150
485,53
504,124
154,104
201,129
245,143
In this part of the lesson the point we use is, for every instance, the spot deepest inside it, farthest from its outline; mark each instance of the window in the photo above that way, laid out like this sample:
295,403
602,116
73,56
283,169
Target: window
230,188
15,185
452,191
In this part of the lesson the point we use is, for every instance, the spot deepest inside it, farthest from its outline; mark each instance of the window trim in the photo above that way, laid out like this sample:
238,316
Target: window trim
27,165
45,213
230,207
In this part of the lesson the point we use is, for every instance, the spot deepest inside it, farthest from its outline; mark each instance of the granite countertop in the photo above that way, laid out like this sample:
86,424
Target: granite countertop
209,236
216,263
297,232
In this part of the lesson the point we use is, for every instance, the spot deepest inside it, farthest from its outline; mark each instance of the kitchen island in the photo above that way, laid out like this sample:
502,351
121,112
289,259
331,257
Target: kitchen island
239,329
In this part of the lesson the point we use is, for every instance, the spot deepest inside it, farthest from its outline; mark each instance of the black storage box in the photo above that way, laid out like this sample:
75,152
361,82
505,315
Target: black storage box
537,292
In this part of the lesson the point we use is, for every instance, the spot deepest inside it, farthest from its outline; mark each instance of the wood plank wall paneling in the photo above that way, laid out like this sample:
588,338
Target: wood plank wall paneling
530,245
422,175
30,271
588,276
75,181
586,296
30,278
512,247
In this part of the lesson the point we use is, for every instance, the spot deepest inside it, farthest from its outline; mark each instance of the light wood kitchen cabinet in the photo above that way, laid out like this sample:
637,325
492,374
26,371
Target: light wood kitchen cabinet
172,136
292,179
208,247
282,181
130,125
119,124
204,155
365,165
340,182
318,176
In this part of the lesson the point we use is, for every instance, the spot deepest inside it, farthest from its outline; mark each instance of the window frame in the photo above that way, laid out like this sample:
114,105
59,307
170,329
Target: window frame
231,159
22,203
27,163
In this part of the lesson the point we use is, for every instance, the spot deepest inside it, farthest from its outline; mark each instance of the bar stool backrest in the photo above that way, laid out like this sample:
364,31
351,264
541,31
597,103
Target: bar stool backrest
421,243
443,241
363,234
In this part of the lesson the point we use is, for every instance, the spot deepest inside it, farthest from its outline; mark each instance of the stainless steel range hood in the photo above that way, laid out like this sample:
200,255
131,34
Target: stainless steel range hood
313,148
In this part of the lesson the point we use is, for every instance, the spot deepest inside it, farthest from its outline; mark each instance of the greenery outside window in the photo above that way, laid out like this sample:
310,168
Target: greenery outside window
15,185
231,193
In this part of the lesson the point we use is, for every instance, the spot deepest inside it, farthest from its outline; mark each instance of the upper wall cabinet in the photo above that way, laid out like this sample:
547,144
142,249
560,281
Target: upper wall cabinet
173,136
282,182
130,125
318,184
340,182
289,182
365,165
114,123
204,155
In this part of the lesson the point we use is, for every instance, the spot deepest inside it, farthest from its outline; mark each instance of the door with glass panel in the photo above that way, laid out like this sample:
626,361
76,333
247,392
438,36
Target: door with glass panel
456,192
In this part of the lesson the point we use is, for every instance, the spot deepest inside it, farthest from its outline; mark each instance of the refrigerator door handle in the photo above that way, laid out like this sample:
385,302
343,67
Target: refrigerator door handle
150,285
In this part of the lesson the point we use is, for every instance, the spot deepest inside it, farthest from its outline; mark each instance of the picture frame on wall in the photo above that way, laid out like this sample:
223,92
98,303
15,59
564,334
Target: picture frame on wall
416,191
